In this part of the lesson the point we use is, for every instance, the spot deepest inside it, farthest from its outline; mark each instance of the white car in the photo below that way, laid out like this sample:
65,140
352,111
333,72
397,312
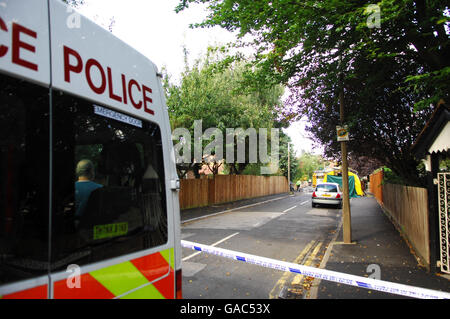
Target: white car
327,194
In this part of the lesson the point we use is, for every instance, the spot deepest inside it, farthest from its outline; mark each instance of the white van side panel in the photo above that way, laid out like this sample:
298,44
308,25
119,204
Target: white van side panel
171,172
39,43
90,62
24,40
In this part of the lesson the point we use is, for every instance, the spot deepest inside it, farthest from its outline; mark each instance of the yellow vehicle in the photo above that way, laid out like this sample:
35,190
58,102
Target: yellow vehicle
355,183
318,177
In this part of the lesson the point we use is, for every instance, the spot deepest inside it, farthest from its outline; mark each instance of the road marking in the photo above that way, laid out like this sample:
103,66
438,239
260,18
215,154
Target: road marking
282,281
306,201
213,245
337,277
313,292
231,210
286,210
299,278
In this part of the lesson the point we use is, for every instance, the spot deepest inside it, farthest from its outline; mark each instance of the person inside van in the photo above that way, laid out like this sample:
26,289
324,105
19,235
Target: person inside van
85,172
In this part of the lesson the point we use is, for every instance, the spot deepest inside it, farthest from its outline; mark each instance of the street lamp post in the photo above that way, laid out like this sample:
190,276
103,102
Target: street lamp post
289,167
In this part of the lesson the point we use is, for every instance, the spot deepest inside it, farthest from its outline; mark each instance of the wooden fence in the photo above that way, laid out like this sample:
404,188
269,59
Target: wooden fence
194,193
375,188
227,188
407,207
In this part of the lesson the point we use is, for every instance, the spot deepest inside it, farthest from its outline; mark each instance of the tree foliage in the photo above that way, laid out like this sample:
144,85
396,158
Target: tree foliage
212,91
390,75
286,152
304,42
307,164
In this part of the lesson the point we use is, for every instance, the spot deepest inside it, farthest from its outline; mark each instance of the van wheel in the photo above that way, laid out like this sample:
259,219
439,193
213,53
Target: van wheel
313,205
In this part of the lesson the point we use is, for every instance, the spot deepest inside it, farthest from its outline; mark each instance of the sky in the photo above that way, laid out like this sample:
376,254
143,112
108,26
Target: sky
153,28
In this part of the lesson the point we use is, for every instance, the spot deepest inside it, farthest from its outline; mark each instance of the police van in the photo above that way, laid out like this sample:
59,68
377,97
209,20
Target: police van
88,187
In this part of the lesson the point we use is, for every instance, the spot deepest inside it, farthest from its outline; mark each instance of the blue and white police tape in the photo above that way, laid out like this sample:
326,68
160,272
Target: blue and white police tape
323,274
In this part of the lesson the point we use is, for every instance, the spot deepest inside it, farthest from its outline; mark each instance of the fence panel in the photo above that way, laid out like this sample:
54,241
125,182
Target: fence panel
376,181
227,188
408,207
194,193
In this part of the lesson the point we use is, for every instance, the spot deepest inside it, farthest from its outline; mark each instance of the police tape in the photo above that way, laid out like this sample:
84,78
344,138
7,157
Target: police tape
323,274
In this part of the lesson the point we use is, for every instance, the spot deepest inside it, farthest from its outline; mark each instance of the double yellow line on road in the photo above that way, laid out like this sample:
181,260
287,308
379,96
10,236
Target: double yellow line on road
284,280
298,278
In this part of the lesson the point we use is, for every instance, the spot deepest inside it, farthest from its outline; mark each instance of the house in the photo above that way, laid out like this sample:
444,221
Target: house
432,147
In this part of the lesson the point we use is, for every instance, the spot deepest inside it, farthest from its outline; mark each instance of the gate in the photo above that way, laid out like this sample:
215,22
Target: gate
444,218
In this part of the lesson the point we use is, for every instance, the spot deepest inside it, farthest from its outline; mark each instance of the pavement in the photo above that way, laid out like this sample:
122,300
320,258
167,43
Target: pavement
377,248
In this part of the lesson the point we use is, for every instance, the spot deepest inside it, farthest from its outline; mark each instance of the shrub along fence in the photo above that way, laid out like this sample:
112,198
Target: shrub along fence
407,207
227,188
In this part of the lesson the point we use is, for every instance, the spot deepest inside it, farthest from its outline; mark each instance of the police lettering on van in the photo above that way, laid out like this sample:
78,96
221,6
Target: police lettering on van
87,168
129,88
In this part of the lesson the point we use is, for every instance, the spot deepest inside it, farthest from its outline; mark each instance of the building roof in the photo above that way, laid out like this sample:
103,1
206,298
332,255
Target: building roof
435,136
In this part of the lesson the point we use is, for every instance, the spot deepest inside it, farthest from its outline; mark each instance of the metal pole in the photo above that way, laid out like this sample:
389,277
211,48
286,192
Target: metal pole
289,167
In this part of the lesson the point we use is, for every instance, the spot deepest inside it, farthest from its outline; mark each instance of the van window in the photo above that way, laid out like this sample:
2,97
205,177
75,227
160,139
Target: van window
327,188
24,179
108,183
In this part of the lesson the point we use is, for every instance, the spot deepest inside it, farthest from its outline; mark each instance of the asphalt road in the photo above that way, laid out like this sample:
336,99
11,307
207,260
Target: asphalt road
287,229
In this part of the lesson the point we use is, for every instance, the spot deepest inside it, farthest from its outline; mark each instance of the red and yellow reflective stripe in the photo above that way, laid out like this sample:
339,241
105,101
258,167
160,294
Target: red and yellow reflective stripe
39,292
89,289
130,279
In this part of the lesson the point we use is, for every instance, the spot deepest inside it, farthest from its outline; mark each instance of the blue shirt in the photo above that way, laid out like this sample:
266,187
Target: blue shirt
82,192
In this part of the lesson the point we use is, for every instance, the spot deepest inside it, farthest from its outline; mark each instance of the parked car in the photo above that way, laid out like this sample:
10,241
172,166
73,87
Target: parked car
327,193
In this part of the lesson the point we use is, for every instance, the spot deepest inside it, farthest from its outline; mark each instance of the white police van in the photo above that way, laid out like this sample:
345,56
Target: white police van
71,95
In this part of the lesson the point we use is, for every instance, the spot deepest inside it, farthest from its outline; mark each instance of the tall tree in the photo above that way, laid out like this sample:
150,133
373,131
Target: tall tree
307,164
284,154
387,69
298,38
211,91
381,118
